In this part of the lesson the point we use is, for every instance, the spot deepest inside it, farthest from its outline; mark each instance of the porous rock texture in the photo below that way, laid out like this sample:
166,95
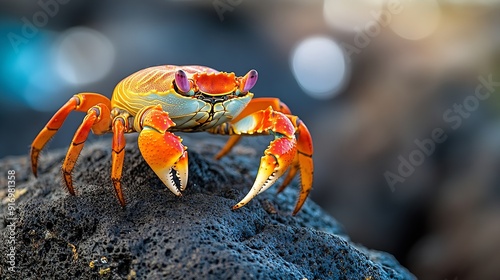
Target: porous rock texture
161,236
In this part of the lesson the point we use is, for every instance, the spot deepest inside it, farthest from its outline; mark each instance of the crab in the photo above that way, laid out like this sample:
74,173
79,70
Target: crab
160,100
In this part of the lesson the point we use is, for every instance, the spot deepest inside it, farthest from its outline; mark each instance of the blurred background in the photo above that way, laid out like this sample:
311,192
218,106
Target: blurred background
400,96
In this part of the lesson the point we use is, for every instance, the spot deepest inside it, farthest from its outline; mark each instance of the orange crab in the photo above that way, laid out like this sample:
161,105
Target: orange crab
160,100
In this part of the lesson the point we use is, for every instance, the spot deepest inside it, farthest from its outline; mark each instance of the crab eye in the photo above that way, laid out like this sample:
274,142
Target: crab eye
182,81
251,80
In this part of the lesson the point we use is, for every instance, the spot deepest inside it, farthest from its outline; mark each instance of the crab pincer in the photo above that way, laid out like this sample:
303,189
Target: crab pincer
162,150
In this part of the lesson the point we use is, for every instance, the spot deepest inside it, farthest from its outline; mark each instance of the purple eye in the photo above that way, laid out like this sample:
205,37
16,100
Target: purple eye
182,81
251,80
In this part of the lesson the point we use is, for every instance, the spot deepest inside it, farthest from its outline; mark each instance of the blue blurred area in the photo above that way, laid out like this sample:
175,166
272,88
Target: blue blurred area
403,68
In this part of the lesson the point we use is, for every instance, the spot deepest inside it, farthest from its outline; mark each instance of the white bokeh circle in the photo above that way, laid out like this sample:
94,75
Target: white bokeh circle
319,66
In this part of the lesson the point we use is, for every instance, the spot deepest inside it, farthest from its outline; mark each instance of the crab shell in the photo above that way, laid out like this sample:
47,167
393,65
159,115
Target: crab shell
208,99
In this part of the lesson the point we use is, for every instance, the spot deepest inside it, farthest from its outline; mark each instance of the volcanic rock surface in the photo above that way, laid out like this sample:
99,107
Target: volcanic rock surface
161,236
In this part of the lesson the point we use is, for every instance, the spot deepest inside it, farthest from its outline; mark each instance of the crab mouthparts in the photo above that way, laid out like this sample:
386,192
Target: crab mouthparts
213,99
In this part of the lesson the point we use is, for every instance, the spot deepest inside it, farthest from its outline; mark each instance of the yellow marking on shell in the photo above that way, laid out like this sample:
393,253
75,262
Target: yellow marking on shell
143,77
154,80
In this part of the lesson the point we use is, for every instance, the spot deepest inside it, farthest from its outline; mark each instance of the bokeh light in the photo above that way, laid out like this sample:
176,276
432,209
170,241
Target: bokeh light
349,15
319,66
417,19
38,84
84,55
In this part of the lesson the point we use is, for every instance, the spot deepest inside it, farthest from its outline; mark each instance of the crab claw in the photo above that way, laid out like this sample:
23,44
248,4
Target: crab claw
163,150
276,160
165,154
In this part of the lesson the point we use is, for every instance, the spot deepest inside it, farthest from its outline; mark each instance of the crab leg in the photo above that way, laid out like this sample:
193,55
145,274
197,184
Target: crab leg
98,116
161,149
255,105
80,102
302,161
117,156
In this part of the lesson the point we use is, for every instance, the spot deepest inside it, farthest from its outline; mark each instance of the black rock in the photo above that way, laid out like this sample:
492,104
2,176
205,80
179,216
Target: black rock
161,236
